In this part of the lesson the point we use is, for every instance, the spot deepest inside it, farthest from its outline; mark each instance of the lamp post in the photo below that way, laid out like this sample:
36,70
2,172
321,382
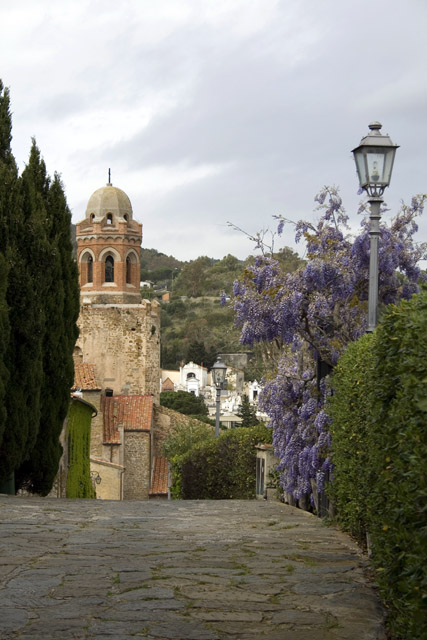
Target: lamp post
218,376
374,159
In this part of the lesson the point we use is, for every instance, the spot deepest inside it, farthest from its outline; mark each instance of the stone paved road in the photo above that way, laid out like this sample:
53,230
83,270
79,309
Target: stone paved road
245,570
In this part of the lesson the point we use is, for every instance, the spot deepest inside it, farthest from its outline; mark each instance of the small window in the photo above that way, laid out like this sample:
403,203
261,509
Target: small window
128,271
109,269
126,217
109,218
90,269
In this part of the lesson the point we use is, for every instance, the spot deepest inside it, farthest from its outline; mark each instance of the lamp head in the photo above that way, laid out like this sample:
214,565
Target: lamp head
218,372
374,159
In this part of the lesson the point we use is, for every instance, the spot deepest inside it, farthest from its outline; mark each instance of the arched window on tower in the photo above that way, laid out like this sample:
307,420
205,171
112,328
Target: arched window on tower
128,271
109,218
132,269
86,268
109,269
90,269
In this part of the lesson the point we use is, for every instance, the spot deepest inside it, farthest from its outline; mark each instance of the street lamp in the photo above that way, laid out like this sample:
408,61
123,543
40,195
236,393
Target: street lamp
374,159
218,376
95,478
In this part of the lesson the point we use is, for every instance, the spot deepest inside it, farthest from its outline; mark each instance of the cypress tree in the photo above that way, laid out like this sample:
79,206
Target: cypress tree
8,179
28,269
247,413
39,305
61,309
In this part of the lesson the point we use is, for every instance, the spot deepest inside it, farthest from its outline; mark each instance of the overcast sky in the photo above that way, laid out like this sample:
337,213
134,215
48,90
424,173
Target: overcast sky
216,110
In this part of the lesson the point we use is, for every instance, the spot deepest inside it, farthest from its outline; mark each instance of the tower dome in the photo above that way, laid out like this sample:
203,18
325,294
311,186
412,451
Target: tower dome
109,200
109,249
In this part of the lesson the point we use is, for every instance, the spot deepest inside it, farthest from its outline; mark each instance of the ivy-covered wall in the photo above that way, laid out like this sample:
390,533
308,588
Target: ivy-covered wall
379,441
79,483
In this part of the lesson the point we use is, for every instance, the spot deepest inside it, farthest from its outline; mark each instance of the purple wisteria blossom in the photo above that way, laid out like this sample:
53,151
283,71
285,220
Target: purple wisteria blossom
314,313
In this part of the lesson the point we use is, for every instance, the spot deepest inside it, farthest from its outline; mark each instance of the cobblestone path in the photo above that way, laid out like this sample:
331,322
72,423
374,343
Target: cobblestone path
245,570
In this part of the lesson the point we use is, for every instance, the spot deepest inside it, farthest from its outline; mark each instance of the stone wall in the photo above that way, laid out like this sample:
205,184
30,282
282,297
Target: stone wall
110,487
123,341
137,465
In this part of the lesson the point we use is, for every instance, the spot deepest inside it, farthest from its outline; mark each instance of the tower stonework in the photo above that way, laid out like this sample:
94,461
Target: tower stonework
119,332
109,249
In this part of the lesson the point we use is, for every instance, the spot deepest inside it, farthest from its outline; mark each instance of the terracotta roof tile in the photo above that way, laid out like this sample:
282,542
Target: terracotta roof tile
159,480
85,377
132,413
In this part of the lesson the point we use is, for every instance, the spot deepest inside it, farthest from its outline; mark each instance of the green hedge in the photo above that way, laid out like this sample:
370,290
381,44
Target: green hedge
223,468
350,409
79,483
379,439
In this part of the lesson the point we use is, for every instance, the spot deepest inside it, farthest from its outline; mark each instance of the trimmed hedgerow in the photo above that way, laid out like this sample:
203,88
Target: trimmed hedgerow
224,468
79,483
380,403
350,409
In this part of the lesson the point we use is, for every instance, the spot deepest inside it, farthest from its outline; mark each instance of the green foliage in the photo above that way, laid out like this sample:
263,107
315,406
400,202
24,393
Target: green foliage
199,354
39,304
186,436
4,341
184,402
379,439
350,408
26,289
288,259
79,483
151,260
248,413
222,468
197,330
180,440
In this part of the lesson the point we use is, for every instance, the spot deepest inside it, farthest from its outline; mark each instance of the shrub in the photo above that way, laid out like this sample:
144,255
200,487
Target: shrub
183,438
350,407
223,468
385,393
184,402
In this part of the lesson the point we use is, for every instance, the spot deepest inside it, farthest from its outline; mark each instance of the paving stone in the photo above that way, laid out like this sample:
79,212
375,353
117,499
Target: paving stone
203,570
11,619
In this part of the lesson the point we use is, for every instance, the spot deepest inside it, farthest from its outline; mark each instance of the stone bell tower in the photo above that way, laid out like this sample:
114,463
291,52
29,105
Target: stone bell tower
119,332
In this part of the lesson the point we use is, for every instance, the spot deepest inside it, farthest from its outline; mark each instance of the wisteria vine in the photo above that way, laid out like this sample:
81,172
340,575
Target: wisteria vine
314,313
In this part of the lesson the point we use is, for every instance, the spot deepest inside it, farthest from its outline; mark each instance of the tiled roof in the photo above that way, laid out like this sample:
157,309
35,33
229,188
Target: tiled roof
159,480
133,413
85,377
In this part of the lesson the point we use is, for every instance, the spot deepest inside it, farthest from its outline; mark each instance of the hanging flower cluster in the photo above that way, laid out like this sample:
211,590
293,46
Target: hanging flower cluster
314,313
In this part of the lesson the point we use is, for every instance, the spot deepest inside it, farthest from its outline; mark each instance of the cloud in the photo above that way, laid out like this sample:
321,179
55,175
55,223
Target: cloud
218,110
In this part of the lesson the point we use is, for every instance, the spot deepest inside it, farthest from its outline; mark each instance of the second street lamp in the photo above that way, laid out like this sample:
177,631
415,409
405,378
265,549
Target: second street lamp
218,377
374,159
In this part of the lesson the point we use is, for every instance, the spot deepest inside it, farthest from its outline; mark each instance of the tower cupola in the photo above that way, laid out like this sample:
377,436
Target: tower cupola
109,249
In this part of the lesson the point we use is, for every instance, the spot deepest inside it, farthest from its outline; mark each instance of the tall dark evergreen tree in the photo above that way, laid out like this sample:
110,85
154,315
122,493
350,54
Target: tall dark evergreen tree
8,178
248,413
61,309
28,270
39,304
